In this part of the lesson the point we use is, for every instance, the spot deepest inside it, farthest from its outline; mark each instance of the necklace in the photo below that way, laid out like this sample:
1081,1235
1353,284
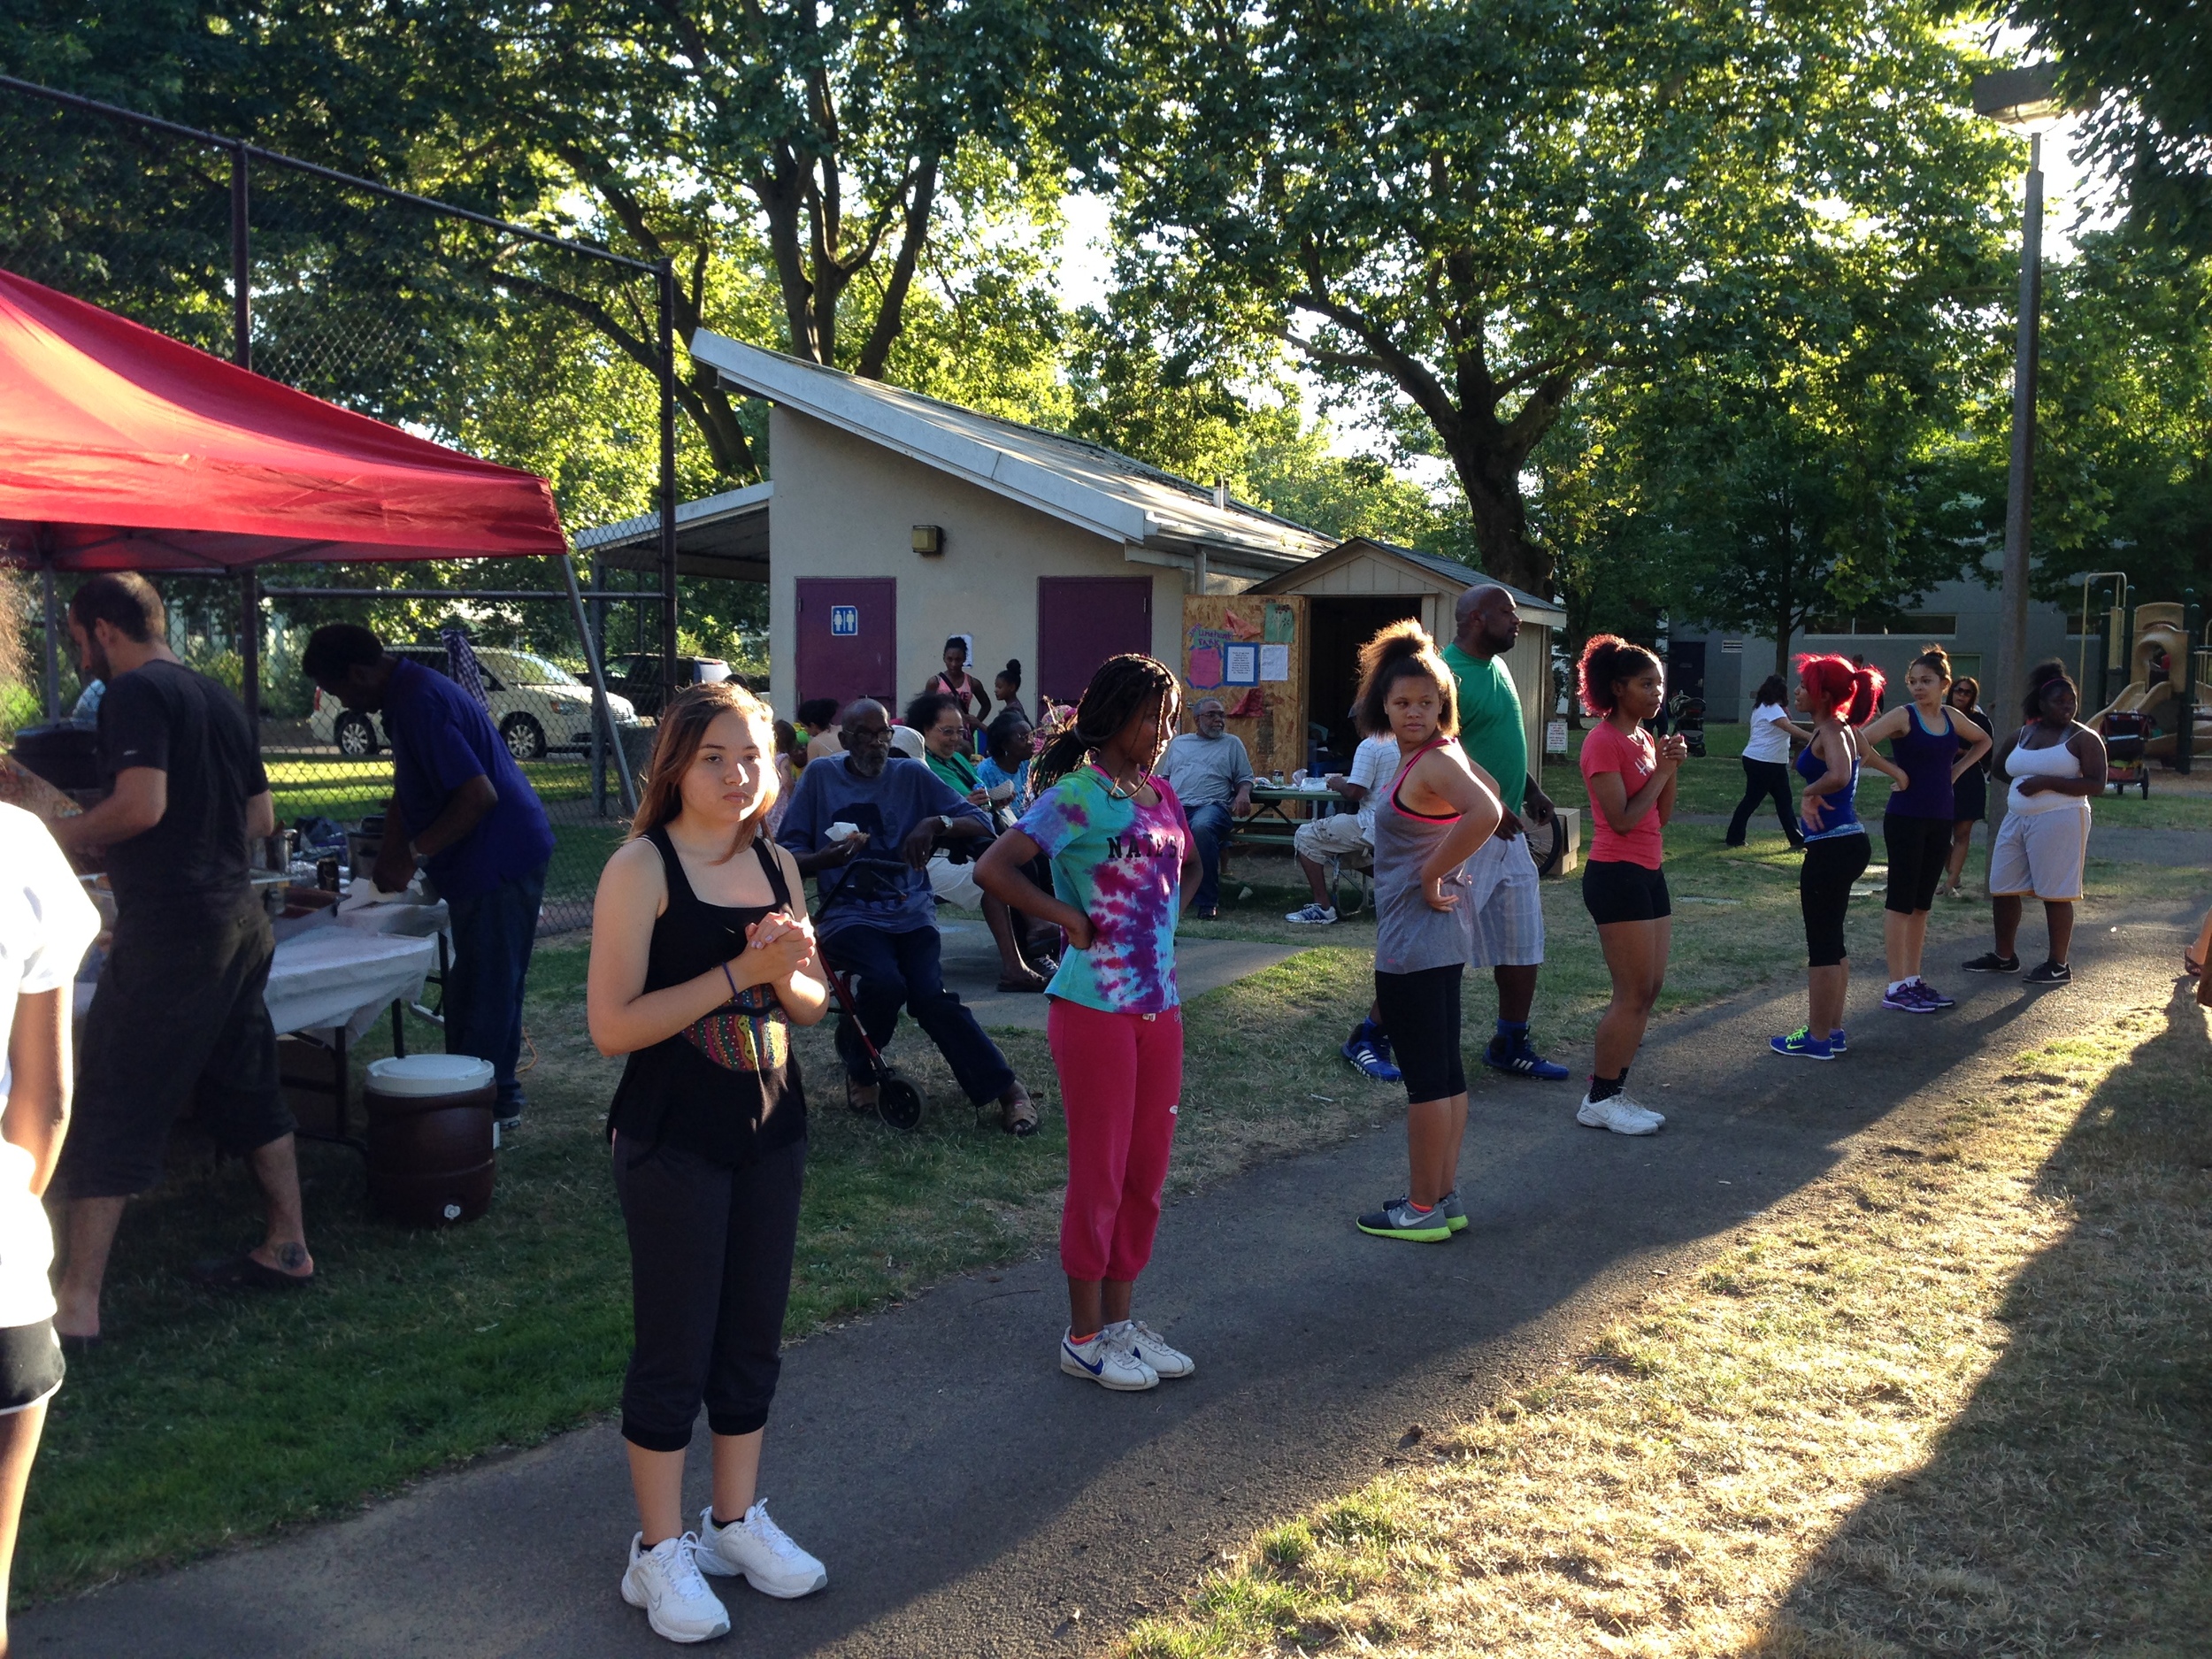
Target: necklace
1114,787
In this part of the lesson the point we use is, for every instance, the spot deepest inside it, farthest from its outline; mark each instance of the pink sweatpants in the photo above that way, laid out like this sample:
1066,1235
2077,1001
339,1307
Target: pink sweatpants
1121,1077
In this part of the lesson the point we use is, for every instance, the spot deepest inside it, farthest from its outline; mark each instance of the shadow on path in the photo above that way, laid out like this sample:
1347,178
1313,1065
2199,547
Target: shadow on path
969,1499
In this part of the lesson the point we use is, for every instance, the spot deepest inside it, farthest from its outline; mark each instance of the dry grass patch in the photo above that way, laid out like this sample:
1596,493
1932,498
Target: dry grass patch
1955,1399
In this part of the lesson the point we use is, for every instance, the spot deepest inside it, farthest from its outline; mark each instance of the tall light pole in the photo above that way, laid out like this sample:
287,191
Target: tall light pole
2025,101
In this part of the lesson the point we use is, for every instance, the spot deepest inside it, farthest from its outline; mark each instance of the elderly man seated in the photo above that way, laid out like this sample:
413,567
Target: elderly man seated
877,920
1213,776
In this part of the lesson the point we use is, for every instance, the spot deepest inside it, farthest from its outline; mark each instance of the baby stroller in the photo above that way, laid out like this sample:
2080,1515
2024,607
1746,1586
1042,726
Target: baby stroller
2125,762
898,1102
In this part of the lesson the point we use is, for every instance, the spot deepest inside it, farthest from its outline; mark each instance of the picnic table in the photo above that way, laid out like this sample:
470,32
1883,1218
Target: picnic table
1277,810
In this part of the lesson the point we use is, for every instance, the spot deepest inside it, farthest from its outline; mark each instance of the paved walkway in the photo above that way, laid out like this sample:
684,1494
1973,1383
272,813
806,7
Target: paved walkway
970,1501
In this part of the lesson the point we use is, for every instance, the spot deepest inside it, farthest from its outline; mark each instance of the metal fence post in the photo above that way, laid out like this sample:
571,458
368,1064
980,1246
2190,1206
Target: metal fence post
52,663
667,307
602,715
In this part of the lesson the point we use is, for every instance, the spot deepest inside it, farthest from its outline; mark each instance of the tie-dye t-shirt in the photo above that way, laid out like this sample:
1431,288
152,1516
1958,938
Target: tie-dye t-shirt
1120,862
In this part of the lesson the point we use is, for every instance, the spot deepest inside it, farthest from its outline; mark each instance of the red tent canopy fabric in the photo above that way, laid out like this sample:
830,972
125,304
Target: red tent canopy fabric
122,449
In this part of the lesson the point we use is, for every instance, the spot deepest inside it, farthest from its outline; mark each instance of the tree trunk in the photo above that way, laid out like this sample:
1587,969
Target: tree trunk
1491,480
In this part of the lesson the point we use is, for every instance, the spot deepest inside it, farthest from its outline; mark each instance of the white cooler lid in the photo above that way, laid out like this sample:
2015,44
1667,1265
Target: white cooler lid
428,1074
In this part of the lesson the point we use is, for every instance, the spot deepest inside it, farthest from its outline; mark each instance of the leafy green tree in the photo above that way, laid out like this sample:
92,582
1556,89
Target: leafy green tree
2144,72
1473,208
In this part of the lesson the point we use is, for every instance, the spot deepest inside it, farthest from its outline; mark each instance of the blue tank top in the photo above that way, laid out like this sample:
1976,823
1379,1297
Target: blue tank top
1927,757
1840,811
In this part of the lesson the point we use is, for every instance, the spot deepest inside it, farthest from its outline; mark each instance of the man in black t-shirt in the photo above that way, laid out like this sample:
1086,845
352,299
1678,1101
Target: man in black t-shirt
179,1014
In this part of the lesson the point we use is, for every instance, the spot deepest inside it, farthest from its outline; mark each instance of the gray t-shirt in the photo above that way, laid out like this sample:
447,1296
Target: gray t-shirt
1206,771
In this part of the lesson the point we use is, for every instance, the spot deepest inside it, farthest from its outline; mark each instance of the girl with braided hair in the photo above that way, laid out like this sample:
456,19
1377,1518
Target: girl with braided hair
1122,866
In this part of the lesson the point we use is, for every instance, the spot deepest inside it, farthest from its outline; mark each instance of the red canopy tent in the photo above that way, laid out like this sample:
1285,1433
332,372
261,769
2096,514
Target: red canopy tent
122,449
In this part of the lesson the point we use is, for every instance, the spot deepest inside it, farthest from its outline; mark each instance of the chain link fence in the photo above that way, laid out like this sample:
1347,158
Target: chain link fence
510,344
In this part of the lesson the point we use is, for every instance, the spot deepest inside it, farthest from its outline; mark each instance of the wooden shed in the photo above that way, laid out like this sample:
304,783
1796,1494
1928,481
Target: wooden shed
1340,598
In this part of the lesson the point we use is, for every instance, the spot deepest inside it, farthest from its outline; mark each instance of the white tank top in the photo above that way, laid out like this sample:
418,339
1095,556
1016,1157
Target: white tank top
2058,761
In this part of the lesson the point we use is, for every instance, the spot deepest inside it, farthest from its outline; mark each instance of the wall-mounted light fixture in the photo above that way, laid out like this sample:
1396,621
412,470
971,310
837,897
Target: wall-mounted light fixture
929,540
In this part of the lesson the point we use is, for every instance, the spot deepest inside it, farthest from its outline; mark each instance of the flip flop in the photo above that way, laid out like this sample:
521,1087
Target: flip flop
1019,1117
243,1272
1034,986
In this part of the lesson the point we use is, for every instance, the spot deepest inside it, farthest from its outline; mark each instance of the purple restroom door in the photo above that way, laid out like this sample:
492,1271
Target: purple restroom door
849,639
1081,621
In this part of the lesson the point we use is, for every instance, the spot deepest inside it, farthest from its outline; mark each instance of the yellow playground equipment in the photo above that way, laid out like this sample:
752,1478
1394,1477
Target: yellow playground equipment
2155,675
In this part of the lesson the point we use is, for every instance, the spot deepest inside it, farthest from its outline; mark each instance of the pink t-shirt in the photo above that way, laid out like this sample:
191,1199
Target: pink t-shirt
1635,758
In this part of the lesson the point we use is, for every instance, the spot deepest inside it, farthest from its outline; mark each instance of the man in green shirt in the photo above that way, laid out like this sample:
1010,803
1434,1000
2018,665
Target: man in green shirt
1507,898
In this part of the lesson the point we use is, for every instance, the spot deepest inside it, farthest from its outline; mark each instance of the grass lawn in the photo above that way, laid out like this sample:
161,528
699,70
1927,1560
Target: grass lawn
207,1419
1951,1400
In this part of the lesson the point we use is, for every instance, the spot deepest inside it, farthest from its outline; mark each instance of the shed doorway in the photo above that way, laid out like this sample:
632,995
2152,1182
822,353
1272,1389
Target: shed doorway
1337,626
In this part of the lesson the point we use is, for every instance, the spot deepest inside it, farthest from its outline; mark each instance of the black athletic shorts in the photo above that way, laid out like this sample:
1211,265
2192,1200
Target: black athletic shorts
179,1018
30,1365
1918,849
1614,890
1420,1015
1823,892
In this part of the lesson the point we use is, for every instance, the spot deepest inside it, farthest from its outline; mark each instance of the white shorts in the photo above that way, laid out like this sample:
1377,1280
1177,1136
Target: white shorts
1508,900
1337,836
953,883
2040,853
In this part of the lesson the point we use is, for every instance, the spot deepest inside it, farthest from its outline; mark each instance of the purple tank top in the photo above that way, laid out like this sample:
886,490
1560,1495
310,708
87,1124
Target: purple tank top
1927,757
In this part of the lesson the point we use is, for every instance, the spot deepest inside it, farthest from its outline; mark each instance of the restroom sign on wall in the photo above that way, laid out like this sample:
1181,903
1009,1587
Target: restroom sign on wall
844,620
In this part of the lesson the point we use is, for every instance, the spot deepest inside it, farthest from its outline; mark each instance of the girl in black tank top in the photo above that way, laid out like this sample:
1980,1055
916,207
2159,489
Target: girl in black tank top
709,1127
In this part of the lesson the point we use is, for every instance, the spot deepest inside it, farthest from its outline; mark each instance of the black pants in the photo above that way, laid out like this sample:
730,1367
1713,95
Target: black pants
1763,779
710,1251
891,970
1918,849
1823,892
1420,1011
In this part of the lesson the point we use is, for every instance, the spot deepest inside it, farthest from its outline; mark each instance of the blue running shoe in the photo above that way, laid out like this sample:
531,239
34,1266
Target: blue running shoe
1403,1221
1802,1044
1368,1053
1840,1040
1523,1061
1448,1206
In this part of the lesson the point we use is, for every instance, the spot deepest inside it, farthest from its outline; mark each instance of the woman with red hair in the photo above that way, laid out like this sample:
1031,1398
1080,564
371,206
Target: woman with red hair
1631,780
1841,697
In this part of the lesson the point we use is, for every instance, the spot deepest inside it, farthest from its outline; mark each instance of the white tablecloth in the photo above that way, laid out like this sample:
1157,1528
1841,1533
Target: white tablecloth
334,977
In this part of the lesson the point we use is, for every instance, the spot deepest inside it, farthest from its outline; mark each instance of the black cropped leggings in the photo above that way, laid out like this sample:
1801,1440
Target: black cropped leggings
1763,779
1823,892
710,1250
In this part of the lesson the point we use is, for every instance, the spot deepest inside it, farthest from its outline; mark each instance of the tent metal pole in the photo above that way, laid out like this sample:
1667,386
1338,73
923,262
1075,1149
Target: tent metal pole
53,637
249,647
595,645
240,263
667,309
604,716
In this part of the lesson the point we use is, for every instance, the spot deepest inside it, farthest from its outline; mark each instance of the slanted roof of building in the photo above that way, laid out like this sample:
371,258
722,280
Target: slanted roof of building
715,535
1083,484
1444,576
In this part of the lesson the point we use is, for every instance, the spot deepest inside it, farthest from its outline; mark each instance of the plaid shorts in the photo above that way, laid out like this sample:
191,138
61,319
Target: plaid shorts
1508,900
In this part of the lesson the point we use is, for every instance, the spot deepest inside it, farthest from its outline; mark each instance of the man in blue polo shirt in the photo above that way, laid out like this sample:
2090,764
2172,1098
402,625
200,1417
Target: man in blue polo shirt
461,803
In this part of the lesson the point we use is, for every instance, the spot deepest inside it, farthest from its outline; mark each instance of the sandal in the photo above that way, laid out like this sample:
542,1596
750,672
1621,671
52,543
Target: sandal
1018,1116
243,1272
860,1097
1035,983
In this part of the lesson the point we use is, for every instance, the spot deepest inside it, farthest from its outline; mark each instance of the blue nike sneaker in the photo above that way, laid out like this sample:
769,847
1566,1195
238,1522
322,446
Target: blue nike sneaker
1839,1040
1369,1051
1521,1060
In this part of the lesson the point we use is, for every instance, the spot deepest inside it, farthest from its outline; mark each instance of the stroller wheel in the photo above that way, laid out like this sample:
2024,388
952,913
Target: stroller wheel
898,1102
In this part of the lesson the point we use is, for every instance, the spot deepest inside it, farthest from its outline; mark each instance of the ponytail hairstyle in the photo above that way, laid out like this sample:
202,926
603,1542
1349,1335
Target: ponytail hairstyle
1771,691
1117,693
1607,660
1399,651
2041,678
1836,685
683,727
1937,661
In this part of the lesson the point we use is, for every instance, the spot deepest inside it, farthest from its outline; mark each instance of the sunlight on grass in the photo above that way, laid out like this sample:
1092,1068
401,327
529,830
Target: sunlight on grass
1808,1448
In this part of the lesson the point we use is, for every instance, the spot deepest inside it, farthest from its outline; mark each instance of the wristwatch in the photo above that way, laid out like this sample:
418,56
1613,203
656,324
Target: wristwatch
946,821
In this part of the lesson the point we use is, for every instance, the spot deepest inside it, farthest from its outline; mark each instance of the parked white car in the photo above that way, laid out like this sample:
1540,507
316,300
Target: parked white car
538,706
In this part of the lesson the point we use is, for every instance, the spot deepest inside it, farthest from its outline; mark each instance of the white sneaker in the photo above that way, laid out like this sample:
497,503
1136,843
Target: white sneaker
1620,1114
762,1551
1151,1349
664,1581
1312,916
1109,1361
